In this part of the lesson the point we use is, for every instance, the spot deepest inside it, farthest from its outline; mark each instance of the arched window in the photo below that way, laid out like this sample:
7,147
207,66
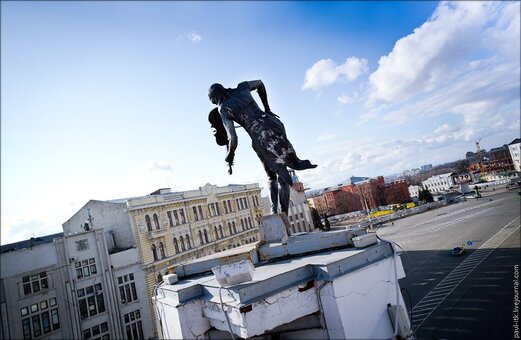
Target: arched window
201,241
215,232
162,250
234,228
221,231
176,246
206,237
188,242
250,224
181,239
154,252
230,231
156,221
149,225
242,224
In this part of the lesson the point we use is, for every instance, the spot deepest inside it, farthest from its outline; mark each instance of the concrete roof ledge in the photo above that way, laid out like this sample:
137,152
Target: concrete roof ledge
280,292
261,252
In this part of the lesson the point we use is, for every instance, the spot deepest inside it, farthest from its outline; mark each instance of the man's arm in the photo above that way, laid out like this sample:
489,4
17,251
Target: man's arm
261,91
232,137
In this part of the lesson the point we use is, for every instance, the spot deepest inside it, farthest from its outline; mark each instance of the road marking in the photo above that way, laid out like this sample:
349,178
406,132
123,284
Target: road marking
457,275
448,223
439,217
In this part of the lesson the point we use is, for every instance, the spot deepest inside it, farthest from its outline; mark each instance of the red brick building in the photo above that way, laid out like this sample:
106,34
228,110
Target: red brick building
348,198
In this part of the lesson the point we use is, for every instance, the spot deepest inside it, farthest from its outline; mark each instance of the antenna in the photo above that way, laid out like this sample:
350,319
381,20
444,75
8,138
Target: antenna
89,223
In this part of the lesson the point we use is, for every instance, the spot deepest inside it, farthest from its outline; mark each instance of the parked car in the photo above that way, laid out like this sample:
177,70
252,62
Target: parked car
457,251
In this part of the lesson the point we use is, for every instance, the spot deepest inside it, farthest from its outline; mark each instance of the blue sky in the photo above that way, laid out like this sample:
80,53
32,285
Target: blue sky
104,100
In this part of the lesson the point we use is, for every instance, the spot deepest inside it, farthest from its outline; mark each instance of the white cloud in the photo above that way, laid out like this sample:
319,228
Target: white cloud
326,72
194,37
326,137
440,50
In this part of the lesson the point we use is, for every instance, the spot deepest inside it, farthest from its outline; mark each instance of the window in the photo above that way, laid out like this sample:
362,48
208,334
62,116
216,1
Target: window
154,252
201,241
162,250
92,303
221,231
188,244
127,288
26,325
156,221
99,331
206,236
41,321
24,311
181,239
133,325
169,214
35,283
182,216
85,268
149,224
176,246
225,207
195,213
214,209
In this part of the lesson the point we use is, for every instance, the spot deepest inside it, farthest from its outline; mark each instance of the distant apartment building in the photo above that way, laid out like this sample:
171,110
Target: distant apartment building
414,190
299,214
167,228
367,195
499,160
438,183
33,301
515,153
68,287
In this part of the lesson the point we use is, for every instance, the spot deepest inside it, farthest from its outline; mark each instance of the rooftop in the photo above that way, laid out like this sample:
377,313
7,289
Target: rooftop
32,242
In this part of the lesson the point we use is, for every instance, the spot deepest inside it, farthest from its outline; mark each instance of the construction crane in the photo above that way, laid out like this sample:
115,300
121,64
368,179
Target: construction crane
479,155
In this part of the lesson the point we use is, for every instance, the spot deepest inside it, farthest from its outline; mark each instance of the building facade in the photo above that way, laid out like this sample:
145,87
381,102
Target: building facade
165,229
515,153
33,304
70,287
438,183
366,195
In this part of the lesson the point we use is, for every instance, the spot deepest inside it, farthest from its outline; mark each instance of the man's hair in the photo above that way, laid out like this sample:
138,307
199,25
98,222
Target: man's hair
221,136
218,92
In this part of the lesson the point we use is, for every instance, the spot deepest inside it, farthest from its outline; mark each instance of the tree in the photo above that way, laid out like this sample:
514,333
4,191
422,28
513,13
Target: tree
316,219
461,166
425,196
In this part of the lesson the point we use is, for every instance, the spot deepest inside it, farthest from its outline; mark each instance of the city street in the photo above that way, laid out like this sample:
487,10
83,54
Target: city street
466,296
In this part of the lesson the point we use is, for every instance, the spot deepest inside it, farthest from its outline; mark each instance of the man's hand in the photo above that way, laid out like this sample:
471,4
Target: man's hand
229,158
268,112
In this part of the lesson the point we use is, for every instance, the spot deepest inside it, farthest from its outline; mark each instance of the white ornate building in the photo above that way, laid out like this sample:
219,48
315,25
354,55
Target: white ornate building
438,183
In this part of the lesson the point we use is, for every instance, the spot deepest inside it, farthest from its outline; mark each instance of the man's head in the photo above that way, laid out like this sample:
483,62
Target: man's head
217,94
